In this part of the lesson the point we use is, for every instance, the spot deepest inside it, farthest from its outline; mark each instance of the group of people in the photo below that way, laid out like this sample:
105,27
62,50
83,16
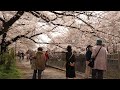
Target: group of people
100,63
38,61
21,55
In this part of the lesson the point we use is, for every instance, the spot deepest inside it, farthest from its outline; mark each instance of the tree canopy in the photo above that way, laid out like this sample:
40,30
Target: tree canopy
60,28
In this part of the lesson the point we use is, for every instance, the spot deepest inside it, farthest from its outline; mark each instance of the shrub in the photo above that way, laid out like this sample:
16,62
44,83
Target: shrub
8,58
7,68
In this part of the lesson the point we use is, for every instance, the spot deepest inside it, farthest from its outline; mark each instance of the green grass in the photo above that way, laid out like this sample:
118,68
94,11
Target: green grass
8,69
13,73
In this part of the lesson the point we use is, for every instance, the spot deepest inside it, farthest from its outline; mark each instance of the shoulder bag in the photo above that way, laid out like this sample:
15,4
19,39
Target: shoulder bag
91,63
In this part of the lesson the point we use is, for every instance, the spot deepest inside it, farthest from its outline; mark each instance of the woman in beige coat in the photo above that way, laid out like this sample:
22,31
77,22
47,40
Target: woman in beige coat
100,64
39,64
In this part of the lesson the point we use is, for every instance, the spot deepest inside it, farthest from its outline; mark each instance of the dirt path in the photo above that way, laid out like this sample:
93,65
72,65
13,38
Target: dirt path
48,73
25,69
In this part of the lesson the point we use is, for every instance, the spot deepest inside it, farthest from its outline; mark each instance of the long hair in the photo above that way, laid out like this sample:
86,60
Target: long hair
40,49
69,48
88,48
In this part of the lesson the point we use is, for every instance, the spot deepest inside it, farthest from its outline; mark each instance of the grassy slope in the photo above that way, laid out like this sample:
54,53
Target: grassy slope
13,73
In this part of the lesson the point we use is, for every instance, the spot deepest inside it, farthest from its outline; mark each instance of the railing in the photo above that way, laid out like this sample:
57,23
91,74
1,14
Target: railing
57,59
113,66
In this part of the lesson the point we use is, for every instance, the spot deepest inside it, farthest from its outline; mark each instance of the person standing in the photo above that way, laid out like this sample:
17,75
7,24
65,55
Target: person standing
100,63
70,63
19,55
46,57
88,57
28,55
22,55
39,63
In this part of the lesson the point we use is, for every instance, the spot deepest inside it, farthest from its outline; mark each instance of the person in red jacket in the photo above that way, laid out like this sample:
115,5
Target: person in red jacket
46,56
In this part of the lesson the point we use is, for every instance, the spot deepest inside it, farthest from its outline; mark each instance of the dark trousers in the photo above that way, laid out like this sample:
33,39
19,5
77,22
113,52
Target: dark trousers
97,74
39,74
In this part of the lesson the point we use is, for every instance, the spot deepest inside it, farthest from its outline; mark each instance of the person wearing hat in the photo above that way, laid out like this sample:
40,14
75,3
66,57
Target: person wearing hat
88,57
100,63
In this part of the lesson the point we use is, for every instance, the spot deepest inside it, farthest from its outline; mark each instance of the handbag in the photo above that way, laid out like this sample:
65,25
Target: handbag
91,62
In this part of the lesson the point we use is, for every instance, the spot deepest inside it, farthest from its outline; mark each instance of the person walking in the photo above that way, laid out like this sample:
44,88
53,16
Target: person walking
22,55
70,63
19,55
88,57
100,63
46,57
39,63
28,55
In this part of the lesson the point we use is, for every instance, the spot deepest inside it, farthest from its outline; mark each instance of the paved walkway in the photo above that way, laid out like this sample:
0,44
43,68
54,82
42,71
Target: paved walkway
49,73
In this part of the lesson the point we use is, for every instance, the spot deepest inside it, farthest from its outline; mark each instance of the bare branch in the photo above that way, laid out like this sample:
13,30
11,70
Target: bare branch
2,20
9,23
39,15
36,35
82,21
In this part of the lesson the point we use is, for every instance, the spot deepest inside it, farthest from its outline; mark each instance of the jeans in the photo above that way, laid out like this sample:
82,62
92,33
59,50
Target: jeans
97,74
39,74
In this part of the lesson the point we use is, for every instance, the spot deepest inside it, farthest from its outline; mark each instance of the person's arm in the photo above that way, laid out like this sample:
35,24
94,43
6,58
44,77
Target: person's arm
93,53
66,56
44,56
34,55
106,52
72,62
87,56
48,56
74,58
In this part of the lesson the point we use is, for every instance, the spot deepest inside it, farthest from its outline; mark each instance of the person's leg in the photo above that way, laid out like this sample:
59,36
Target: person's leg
100,74
22,57
94,73
19,58
39,74
87,71
67,71
34,74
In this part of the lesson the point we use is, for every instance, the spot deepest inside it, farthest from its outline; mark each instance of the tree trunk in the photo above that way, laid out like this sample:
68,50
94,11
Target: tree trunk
6,26
9,23
3,43
3,48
